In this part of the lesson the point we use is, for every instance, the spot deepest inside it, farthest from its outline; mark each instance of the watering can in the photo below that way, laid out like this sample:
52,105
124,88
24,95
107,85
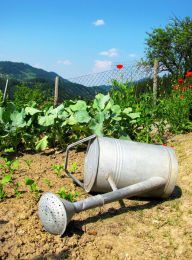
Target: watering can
119,169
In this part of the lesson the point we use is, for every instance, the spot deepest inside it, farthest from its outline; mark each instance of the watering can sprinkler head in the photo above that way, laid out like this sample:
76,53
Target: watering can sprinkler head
55,213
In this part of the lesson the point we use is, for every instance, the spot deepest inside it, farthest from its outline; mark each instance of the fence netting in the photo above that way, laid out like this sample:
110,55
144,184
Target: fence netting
122,72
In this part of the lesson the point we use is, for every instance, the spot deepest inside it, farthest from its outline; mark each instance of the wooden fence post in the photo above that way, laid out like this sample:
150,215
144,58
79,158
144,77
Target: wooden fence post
5,91
56,91
155,80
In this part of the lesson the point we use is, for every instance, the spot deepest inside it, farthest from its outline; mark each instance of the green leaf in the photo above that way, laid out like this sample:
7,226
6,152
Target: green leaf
41,144
57,111
18,118
109,105
97,128
134,115
125,137
15,164
31,111
116,109
127,110
100,117
9,150
100,101
6,179
70,121
80,105
82,116
63,115
46,120
1,114
29,181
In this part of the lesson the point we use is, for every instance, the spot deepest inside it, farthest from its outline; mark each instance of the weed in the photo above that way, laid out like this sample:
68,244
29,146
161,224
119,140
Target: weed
18,193
33,186
3,181
8,166
58,169
68,196
74,167
48,182
28,162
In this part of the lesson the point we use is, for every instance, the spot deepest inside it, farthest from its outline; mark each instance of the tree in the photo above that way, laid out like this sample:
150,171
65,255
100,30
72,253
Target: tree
172,46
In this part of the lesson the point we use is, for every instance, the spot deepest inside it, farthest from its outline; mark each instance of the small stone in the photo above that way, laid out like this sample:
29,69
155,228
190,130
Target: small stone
92,232
108,246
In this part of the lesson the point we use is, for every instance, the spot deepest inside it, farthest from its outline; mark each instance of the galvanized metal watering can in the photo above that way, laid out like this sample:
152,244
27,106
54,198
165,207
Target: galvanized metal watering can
126,167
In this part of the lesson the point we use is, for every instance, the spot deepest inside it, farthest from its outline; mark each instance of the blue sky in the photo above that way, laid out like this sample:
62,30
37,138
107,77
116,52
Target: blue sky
78,37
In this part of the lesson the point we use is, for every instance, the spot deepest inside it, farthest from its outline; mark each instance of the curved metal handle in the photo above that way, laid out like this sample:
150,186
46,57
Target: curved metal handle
67,155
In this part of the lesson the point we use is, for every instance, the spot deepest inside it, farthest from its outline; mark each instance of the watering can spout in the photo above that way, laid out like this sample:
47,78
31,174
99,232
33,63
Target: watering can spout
55,213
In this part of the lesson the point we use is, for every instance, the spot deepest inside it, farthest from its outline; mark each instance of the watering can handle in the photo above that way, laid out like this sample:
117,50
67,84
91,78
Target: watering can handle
67,155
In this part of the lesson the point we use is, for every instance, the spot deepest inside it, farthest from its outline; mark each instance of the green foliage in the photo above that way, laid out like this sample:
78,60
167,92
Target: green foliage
171,46
17,192
48,182
58,169
28,162
1,98
68,196
8,166
74,167
123,113
24,95
177,107
5,179
33,186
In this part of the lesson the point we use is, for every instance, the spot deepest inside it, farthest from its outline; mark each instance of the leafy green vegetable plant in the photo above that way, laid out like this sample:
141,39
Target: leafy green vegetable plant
58,169
17,192
8,166
28,162
33,186
48,182
5,179
74,167
68,196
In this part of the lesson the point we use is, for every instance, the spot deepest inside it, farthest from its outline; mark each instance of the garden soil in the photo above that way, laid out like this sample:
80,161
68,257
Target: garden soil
156,229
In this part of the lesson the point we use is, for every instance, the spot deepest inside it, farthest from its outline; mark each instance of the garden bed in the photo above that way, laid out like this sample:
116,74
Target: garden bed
140,230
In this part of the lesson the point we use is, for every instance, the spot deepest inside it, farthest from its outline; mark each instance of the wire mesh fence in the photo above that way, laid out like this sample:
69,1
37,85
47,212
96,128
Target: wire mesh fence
122,72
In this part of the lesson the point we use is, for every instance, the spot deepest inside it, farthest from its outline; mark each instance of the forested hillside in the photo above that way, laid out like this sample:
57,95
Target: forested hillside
24,74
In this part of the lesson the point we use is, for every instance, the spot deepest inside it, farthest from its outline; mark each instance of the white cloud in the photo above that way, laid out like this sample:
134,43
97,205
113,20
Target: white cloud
110,53
101,65
37,65
64,62
132,55
99,22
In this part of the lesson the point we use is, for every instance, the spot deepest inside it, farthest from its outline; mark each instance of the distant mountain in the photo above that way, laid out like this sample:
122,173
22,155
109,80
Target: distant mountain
105,88
23,71
29,75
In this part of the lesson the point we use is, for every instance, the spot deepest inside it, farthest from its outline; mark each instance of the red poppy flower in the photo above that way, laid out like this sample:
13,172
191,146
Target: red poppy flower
183,88
189,73
172,146
181,97
138,107
164,144
189,86
180,81
176,88
119,66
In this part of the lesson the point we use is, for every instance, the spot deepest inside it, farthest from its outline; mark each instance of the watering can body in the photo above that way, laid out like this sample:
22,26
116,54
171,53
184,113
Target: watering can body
112,164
